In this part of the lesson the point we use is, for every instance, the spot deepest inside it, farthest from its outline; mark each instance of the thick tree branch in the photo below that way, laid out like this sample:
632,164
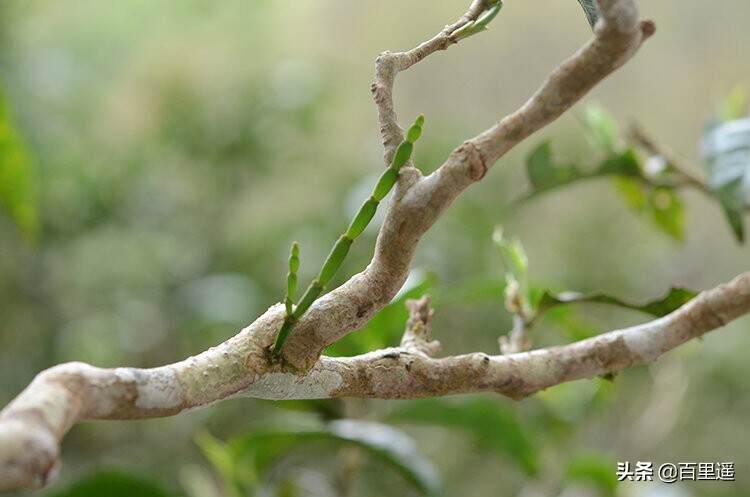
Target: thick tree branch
32,426
419,201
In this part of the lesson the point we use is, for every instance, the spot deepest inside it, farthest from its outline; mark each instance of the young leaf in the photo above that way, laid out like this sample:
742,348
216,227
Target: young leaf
492,426
473,27
379,441
674,299
112,484
518,298
341,248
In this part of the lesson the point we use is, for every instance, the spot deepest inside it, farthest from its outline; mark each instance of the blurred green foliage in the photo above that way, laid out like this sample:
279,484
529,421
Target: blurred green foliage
18,180
173,150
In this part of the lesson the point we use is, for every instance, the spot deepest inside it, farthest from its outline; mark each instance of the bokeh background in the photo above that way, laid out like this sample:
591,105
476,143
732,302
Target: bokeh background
179,147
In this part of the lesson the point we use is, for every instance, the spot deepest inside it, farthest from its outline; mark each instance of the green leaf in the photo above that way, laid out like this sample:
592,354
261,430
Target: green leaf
660,204
673,300
668,212
622,164
726,150
18,179
543,174
379,441
492,426
595,469
473,27
221,458
111,484
601,128
633,192
591,11
732,202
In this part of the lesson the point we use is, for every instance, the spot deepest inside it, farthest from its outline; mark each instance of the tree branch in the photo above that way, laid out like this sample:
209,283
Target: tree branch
419,201
32,426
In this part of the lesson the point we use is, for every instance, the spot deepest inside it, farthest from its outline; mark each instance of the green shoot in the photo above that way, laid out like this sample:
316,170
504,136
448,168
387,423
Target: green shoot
341,248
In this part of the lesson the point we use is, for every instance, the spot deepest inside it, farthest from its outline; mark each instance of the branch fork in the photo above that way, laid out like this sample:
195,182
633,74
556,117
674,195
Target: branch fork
33,425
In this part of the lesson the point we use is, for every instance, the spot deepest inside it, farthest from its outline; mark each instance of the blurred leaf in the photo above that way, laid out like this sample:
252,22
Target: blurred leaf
668,212
18,181
735,105
380,441
513,254
385,328
726,150
112,484
222,459
287,488
492,426
661,204
596,469
517,292
632,192
591,11
601,128
623,164
732,202
543,174
674,299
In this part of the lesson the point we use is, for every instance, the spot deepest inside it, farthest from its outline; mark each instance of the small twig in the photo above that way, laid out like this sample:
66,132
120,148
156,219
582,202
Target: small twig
686,177
638,136
389,64
517,339
418,333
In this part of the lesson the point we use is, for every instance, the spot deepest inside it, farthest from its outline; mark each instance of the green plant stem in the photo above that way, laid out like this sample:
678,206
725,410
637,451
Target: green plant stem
341,248
291,278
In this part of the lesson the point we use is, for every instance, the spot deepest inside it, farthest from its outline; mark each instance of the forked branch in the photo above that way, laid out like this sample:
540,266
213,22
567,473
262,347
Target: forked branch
32,426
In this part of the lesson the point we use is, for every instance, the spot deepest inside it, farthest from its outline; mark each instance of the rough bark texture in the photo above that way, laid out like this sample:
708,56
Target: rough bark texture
32,425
